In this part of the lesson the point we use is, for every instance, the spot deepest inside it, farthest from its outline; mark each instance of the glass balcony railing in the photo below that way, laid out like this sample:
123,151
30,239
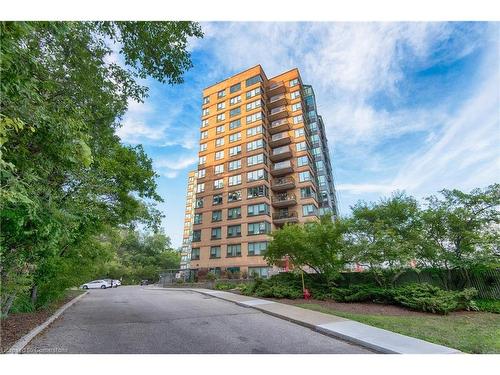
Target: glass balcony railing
282,165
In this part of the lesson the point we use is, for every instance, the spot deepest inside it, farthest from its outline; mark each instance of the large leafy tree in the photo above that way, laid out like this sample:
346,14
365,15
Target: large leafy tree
66,178
318,245
461,230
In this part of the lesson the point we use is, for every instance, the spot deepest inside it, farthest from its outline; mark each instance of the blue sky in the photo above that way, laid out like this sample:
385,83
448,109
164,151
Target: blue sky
407,106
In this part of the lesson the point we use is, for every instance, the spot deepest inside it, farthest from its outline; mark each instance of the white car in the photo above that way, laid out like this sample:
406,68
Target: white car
117,283
96,284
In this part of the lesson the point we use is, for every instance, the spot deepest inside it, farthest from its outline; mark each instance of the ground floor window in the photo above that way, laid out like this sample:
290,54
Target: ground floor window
258,272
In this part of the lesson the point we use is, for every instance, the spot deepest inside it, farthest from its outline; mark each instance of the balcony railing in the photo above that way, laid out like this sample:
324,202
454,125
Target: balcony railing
283,183
277,87
284,200
280,153
279,139
285,217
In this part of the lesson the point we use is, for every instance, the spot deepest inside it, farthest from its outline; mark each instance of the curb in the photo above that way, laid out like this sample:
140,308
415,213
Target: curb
25,340
373,338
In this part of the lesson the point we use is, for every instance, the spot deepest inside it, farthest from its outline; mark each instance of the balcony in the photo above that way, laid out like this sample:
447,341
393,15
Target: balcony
283,183
279,139
276,88
282,168
278,126
277,100
284,200
278,113
280,153
280,218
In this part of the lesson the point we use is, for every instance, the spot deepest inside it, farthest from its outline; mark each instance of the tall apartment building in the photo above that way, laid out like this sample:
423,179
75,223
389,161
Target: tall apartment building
188,221
261,144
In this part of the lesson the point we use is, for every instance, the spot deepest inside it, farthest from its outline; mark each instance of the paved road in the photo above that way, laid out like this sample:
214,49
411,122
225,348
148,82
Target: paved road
137,320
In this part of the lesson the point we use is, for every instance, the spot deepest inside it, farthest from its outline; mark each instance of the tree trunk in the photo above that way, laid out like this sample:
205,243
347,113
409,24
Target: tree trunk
8,304
34,294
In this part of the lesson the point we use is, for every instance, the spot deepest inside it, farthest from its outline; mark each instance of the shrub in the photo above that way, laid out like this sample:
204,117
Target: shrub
211,276
361,293
429,298
488,305
225,286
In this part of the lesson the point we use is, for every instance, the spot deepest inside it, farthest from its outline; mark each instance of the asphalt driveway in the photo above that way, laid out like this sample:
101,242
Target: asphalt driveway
133,319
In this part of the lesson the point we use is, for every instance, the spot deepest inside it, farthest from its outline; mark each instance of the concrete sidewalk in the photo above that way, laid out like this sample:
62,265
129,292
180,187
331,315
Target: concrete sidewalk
380,340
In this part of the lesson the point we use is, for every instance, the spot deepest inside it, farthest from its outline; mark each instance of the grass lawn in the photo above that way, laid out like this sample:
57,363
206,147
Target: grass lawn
475,332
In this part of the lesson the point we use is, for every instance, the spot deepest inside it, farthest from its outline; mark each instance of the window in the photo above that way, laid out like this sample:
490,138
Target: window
235,112
219,155
301,146
234,180
259,174
204,123
308,210
203,160
219,184
201,173
206,100
200,188
233,165
302,160
216,233
234,137
195,253
257,191
219,129
315,138
253,105
262,227
234,213
221,94
233,250
221,105
196,235
235,124
262,272
313,126
217,215
199,203
255,130
205,112
197,218
257,248
234,88
258,209
216,199
219,142
234,231
233,151
296,107
254,92
320,165
294,82
253,80
254,145
304,176
214,251
298,119
221,117
234,196
295,94
299,132
218,169
255,117
307,192
256,159
316,151
203,147
235,100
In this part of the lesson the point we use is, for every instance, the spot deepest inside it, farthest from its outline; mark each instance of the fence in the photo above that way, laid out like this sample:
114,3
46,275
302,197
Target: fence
486,282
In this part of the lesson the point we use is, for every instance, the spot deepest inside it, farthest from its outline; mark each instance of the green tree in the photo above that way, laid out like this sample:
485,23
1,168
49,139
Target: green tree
460,230
384,235
66,179
319,245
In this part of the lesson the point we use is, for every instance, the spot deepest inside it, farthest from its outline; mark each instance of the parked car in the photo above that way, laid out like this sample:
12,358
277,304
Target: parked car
96,284
117,283
144,282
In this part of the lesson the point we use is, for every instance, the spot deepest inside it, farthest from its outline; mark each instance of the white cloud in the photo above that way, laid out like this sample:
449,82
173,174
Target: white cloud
170,167
358,189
